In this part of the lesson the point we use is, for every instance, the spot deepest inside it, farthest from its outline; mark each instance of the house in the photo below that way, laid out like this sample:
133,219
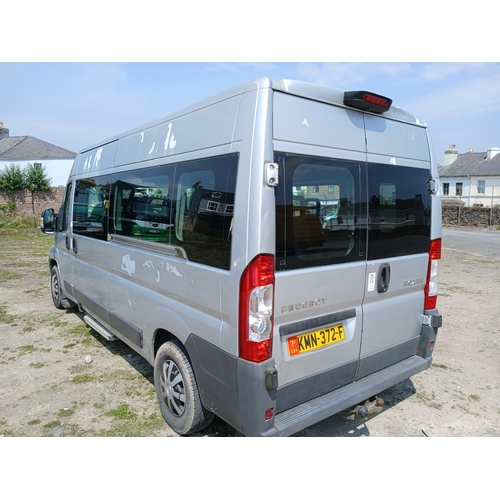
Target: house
471,178
26,149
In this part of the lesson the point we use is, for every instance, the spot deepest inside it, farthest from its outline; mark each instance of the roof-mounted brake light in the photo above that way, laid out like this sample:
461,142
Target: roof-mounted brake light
367,101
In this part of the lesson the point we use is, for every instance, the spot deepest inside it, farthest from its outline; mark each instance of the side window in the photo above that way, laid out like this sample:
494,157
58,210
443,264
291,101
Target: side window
399,211
90,207
64,210
188,204
319,217
141,204
204,198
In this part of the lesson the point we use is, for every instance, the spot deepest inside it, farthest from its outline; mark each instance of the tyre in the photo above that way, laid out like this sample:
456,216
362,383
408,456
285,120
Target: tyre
177,391
60,301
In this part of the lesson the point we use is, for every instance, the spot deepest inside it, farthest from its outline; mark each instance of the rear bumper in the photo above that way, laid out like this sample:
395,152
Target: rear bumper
316,410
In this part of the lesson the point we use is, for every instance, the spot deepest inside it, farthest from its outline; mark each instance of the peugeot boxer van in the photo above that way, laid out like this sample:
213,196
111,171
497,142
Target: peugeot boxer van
272,251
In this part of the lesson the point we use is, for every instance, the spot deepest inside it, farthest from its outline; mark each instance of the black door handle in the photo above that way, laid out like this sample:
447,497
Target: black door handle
384,278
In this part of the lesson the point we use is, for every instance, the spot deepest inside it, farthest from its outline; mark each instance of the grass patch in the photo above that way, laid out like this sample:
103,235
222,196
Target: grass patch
130,425
82,379
52,424
122,412
429,401
8,319
7,275
66,412
34,422
26,349
53,320
37,365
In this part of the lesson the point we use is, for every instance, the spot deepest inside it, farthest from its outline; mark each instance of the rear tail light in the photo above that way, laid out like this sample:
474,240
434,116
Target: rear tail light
431,285
256,302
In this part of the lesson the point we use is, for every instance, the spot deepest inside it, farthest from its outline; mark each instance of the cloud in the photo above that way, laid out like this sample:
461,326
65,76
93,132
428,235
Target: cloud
344,75
473,96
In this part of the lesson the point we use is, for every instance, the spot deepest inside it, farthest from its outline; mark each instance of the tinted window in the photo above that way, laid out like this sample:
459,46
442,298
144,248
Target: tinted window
320,214
204,195
141,206
399,211
90,207
64,210
188,204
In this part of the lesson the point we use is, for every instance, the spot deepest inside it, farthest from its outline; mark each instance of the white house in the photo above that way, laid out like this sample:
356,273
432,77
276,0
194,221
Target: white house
472,178
26,149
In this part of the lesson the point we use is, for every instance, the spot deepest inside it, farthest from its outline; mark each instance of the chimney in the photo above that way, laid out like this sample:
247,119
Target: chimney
450,155
472,150
4,132
492,152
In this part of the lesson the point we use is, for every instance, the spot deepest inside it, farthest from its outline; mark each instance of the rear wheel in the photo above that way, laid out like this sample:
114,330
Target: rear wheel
177,390
60,301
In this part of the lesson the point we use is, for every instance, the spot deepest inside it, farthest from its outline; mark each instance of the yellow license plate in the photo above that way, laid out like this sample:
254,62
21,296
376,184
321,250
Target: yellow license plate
317,339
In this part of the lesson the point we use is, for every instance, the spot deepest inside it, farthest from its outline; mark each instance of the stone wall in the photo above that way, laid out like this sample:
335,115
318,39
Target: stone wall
454,215
41,200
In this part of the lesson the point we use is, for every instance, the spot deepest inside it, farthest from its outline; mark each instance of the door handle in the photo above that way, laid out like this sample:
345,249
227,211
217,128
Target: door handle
384,278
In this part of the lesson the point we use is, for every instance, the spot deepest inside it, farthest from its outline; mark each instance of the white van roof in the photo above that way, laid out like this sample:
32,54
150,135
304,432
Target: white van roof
307,90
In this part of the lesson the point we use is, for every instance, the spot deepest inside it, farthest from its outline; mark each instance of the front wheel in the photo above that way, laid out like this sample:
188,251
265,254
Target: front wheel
60,301
177,391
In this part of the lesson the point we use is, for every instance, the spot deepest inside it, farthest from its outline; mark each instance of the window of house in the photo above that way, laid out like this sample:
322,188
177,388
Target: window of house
481,187
458,189
446,188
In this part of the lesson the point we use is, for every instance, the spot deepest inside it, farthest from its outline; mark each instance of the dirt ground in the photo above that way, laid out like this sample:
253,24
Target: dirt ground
60,378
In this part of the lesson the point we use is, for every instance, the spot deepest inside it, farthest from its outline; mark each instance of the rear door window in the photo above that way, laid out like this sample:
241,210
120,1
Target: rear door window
320,214
399,211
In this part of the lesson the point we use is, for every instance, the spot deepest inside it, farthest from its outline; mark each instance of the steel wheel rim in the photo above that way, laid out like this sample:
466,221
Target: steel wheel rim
172,388
55,286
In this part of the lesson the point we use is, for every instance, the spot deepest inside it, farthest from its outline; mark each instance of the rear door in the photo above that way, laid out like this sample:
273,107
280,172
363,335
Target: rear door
320,247
398,166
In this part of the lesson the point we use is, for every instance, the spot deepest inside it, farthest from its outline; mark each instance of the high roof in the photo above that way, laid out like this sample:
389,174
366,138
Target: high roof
26,147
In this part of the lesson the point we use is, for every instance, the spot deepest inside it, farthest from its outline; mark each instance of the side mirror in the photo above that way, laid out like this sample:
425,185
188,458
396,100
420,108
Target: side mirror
47,219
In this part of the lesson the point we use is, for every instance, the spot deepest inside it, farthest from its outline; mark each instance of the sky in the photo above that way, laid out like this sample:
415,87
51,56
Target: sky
70,80
74,105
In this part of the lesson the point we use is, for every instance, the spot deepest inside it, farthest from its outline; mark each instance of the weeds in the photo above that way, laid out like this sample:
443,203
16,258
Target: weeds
82,379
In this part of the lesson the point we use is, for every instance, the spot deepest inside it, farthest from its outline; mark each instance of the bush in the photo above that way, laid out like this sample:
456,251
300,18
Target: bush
19,221
12,179
8,208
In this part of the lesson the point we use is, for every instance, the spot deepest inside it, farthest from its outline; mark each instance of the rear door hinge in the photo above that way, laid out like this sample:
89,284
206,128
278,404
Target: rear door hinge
271,170
432,186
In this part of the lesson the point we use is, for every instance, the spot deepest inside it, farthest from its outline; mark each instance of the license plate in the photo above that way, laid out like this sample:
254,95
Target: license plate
317,339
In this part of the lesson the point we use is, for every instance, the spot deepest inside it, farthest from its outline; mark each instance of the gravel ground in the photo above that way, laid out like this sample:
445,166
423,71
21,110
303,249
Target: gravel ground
60,378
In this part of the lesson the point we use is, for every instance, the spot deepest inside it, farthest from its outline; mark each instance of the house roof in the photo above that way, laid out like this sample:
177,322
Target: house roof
26,147
471,164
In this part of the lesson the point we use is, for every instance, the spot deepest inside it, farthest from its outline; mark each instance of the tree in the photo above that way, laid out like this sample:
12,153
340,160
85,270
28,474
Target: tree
12,179
35,179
